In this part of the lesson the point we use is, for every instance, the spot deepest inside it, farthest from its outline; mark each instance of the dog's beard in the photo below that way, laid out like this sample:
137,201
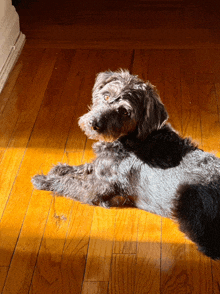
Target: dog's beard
106,138
93,135
109,130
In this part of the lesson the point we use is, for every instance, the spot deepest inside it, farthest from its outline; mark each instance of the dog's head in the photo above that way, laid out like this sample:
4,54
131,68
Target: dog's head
122,104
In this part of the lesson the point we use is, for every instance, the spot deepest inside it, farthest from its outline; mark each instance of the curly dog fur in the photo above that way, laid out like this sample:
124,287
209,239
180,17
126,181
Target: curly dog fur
142,162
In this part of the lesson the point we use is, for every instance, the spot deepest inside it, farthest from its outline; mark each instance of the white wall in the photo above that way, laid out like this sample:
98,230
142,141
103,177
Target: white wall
11,39
9,29
4,5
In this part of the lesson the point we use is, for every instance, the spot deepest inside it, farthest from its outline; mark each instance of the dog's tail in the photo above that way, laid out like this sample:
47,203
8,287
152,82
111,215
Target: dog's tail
197,209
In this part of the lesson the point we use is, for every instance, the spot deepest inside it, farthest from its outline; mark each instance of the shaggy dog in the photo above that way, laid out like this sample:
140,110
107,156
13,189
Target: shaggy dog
142,162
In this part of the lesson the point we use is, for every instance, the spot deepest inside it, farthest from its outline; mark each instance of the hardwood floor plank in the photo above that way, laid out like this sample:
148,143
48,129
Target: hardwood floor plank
191,115
204,61
216,69
79,91
139,24
73,158
103,37
47,276
3,276
12,110
33,159
141,63
182,263
50,149
126,228
61,130
76,248
216,275
123,271
9,86
149,64
14,154
55,104
217,87
172,97
210,132
174,275
148,254
95,287
209,113
100,245
24,257
200,279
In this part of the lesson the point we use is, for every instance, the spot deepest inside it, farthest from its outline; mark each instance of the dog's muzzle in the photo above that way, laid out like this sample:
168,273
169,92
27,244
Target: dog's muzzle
95,125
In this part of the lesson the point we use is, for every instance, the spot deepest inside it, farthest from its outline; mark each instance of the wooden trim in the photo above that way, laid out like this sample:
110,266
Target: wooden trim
11,60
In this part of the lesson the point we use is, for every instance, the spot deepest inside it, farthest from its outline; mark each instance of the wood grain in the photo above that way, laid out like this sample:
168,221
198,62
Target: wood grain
123,270
51,249
95,287
126,228
100,246
3,275
148,266
75,252
28,245
191,114
17,175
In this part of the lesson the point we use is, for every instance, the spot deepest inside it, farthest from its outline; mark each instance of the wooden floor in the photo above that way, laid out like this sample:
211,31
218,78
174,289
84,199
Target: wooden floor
55,245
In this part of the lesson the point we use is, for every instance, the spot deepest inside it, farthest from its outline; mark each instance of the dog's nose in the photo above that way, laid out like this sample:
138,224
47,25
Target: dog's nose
95,125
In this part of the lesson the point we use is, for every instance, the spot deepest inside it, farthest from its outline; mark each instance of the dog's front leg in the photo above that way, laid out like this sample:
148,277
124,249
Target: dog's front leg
78,182
76,170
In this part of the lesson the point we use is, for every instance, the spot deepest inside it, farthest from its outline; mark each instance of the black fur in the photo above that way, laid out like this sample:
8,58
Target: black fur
197,209
163,148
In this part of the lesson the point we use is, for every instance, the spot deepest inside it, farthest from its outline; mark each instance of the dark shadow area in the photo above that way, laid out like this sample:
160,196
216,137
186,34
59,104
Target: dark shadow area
172,268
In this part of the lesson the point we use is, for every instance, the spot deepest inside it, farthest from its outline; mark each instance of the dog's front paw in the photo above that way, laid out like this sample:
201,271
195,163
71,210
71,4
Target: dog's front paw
41,182
61,169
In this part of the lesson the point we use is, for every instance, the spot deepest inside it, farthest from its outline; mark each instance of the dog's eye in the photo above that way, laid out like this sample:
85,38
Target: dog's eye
123,111
106,97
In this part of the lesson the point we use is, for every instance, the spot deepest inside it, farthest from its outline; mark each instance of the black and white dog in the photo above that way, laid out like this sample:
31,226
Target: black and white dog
142,162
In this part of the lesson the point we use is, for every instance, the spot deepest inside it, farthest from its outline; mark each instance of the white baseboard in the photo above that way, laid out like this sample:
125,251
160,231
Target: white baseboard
11,60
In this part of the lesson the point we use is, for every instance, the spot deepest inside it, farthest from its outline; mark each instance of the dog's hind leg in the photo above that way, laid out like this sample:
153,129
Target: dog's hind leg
197,211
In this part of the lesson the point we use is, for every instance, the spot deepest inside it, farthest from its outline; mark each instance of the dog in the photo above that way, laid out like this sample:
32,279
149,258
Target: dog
142,162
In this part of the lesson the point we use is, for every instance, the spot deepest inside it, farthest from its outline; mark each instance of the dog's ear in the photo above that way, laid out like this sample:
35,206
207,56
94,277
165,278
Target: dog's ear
154,114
